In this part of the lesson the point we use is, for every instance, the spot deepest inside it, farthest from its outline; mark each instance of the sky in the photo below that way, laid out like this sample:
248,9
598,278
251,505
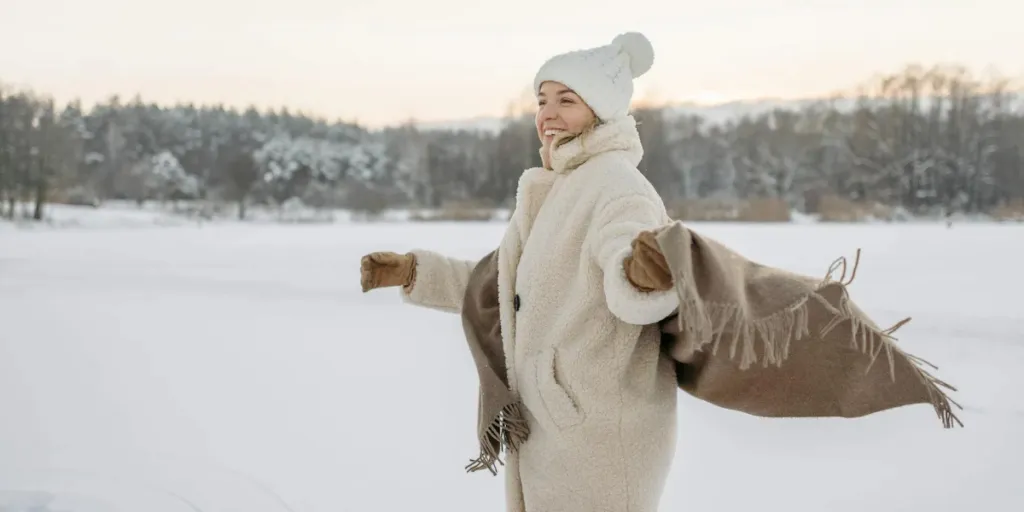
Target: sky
438,60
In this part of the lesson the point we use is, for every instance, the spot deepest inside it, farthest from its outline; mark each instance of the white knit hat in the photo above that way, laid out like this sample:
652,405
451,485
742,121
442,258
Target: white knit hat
602,76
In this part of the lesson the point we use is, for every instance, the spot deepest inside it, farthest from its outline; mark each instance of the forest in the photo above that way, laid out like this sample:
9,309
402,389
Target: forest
922,141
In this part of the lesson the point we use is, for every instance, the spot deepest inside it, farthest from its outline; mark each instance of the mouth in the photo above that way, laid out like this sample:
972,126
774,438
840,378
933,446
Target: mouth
551,133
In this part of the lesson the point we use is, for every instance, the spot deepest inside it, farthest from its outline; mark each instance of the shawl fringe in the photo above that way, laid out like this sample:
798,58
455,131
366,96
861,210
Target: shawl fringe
504,433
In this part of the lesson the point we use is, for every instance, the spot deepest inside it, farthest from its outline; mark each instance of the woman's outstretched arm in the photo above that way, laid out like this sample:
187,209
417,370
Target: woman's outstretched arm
610,239
438,282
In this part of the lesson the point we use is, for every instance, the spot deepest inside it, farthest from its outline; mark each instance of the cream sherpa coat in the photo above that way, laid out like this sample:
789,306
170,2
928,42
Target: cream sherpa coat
600,396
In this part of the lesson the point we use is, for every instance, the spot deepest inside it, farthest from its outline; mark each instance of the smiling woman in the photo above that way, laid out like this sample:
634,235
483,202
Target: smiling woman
578,303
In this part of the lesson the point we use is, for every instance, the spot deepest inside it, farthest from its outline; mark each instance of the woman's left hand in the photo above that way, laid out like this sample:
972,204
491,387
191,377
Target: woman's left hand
646,268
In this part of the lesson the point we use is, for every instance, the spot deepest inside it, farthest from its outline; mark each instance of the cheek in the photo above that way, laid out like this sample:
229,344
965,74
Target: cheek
577,120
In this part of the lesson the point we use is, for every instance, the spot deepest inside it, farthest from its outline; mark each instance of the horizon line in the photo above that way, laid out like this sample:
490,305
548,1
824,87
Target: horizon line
1015,85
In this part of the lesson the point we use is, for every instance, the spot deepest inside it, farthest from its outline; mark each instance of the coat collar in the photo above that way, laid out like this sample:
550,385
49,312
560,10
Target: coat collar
618,134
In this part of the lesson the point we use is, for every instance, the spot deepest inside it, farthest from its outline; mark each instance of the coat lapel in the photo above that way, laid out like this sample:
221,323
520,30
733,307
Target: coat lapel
534,185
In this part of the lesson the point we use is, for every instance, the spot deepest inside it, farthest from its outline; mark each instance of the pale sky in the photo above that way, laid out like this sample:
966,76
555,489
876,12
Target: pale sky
451,59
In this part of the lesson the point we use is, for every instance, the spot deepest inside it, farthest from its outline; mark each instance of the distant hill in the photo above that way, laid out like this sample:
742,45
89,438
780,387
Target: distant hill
714,114
474,124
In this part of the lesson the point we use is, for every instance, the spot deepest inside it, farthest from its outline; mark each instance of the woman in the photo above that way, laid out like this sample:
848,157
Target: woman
580,291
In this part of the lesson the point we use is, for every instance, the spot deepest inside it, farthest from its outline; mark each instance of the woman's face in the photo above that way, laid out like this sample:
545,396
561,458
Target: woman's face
560,113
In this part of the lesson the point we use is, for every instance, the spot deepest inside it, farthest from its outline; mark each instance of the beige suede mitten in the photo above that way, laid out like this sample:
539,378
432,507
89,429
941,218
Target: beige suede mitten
384,269
646,268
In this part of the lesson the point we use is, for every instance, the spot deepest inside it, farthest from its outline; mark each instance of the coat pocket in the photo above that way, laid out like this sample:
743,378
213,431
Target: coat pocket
563,410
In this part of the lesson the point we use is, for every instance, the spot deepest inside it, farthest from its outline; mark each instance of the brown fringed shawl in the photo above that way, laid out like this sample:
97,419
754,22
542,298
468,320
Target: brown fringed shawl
733,314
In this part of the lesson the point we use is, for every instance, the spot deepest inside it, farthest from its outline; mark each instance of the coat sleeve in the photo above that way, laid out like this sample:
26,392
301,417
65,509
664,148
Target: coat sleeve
440,282
612,231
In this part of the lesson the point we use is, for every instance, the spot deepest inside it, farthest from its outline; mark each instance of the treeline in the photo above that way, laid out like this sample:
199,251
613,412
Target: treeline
926,140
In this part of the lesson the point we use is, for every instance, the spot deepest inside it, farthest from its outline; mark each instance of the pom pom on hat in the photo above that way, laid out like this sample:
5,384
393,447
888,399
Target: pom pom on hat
602,76
639,49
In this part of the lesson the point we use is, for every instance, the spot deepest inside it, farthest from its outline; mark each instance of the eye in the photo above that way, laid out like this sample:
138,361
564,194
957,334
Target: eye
541,103
568,101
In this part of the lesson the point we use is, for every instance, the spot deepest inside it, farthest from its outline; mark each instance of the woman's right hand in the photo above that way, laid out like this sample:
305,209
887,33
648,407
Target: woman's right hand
383,269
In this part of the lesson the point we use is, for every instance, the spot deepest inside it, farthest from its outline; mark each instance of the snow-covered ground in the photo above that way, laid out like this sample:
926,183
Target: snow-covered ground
127,214
231,367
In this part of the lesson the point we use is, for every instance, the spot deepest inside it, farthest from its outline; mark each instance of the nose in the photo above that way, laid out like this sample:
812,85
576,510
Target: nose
548,111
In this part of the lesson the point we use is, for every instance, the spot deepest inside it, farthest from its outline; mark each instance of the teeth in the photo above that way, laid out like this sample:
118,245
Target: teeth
552,132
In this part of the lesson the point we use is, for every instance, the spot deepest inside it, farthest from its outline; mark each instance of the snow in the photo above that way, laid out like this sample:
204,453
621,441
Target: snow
239,367
110,215
127,214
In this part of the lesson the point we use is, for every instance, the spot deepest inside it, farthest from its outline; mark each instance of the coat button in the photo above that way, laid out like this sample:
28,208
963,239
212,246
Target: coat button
515,302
